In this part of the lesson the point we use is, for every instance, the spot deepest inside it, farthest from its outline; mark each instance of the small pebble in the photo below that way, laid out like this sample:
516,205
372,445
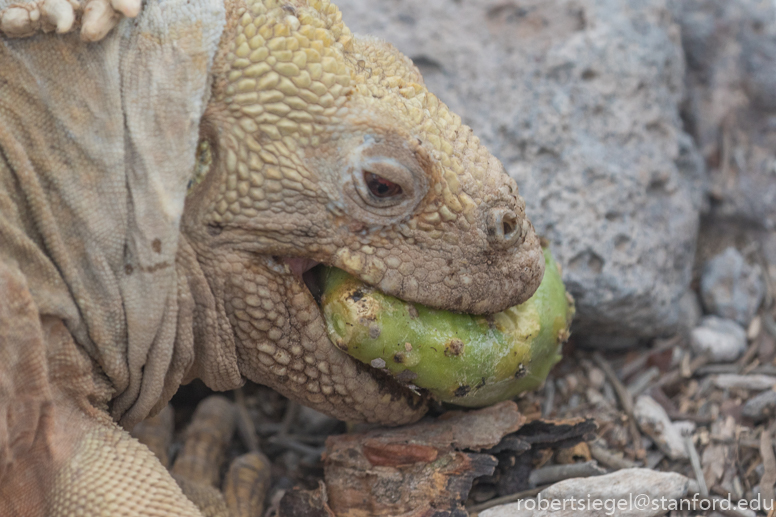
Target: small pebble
654,422
753,382
596,377
755,326
572,382
760,407
723,339
730,287
595,398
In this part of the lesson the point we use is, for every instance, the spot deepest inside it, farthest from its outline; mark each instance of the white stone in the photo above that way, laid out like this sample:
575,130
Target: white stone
653,421
620,490
724,340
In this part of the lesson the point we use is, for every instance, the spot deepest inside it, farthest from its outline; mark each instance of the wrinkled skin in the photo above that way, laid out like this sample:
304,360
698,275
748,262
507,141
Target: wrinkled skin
307,145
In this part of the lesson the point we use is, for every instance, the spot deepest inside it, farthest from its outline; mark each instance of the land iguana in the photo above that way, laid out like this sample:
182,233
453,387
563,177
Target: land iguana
164,193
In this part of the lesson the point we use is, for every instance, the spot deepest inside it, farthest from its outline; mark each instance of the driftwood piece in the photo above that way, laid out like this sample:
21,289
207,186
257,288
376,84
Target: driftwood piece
417,470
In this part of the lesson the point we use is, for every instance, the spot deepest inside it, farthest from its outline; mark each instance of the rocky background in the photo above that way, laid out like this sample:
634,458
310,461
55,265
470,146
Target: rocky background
642,134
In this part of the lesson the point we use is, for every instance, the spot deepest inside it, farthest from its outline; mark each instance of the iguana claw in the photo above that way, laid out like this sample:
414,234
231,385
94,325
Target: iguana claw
96,18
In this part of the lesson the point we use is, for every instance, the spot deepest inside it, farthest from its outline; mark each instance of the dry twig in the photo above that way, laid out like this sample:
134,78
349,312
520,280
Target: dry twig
769,463
606,457
555,473
695,461
661,345
675,376
626,401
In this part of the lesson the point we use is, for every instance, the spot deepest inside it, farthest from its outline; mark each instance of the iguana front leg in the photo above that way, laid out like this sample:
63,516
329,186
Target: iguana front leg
197,467
59,454
88,229
95,17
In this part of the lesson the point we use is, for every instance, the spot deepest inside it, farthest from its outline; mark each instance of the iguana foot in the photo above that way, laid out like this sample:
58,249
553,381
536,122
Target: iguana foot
95,17
197,467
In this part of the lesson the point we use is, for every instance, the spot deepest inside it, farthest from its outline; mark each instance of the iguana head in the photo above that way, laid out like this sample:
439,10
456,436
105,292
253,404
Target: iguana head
322,147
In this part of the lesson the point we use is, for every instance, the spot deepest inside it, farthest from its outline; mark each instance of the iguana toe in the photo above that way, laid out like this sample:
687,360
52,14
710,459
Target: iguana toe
20,21
129,8
60,14
95,18
99,18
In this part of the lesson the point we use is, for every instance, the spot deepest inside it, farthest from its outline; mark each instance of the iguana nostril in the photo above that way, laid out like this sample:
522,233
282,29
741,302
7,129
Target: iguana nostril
504,227
509,224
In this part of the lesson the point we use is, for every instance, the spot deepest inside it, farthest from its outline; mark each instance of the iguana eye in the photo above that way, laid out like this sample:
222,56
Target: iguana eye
383,180
380,187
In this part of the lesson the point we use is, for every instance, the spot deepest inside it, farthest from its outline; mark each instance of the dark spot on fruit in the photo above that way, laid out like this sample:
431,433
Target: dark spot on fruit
398,357
481,384
374,331
357,295
454,348
412,311
461,391
342,345
156,245
521,371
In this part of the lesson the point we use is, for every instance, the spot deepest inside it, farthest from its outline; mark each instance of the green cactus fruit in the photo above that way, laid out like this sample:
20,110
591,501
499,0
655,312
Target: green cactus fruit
459,358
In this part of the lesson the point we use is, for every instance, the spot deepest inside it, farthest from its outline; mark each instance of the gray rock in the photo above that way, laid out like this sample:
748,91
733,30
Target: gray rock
760,407
654,422
579,99
616,490
730,47
730,287
724,340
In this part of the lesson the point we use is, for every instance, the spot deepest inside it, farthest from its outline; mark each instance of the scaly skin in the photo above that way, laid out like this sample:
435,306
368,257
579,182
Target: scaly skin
121,277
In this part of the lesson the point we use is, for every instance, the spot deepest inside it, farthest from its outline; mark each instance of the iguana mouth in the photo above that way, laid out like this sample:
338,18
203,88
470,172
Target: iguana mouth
310,273
302,268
